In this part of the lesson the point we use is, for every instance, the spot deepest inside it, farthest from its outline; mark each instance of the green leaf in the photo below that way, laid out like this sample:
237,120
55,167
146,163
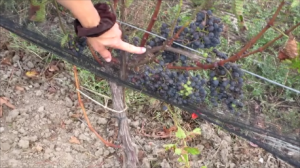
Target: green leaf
38,10
185,19
186,157
169,146
295,3
203,167
193,151
64,40
178,151
180,133
128,3
197,131
238,9
180,159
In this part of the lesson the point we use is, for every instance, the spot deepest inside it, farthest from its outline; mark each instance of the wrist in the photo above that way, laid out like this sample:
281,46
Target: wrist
83,10
89,23
88,19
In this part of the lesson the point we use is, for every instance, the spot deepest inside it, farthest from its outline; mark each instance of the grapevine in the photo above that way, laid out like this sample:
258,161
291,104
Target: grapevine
182,87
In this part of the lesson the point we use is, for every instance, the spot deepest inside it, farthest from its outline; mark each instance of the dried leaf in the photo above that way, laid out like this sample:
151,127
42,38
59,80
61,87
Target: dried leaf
6,61
37,10
291,47
53,68
32,74
4,100
52,90
77,115
74,140
170,130
32,11
19,88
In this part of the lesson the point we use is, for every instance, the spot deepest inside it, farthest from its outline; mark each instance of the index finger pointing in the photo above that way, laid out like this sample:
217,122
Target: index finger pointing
130,48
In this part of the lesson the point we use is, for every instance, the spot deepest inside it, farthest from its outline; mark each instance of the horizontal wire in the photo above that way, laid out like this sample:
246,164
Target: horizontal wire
271,81
251,73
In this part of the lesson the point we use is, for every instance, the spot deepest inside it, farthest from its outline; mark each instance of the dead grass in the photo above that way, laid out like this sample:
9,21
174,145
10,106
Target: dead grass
139,12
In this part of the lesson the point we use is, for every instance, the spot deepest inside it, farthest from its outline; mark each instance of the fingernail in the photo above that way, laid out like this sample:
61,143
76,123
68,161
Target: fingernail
108,59
143,49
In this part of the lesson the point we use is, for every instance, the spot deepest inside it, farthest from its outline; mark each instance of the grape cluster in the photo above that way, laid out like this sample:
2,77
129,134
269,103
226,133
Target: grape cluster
204,32
225,84
77,45
178,87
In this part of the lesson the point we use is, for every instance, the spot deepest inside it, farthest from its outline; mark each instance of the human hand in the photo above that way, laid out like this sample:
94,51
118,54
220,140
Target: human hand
112,38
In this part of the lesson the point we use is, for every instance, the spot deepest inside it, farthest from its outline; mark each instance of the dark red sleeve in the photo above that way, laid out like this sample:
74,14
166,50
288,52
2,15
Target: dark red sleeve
108,19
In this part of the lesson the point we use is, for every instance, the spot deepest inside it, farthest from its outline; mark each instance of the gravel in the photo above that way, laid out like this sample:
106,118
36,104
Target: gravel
30,65
5,146
23,144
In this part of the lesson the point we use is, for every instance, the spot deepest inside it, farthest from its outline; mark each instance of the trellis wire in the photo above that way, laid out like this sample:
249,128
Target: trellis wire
251,73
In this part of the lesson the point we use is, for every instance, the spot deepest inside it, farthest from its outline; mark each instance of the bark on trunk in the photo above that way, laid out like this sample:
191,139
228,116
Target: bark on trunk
130,148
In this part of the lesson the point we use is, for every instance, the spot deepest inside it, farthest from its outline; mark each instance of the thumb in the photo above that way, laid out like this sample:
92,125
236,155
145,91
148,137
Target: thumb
130,48
104,53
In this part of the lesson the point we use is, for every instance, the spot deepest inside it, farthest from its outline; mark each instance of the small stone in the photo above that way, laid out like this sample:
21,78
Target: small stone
14,163
148,148
69,102
146,163
227,139
39,148
105,153
56,19
41,109
232,165
16,58
23,143
36,85
69,121
14,113
30,64
224,156
1,129
67,160
18,73
33,138
5,146
99,152
8,119
102,121
135,124
38,93
63,91
16,152
165,164
83,137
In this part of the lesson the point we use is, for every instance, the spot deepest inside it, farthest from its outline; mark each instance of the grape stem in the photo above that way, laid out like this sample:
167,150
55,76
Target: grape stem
151,23
150,55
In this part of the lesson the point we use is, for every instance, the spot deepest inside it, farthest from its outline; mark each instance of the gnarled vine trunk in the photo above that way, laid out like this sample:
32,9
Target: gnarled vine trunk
130,148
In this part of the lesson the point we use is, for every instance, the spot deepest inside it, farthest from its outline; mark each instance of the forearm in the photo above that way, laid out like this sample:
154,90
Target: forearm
83,10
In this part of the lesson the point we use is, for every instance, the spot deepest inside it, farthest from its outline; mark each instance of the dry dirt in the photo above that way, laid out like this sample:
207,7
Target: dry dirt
46,129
